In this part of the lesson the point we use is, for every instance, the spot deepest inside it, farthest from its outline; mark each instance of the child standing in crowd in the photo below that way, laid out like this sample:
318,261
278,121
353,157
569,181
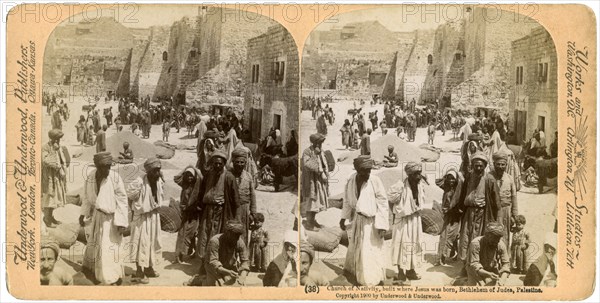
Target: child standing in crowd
91,136
259,238
520,243
166,128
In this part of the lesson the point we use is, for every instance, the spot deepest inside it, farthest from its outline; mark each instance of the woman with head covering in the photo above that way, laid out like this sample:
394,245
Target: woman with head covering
315,182
291,147
406,200
470,147
451,183
282,271
245,184
146,194
55,161
479,201
219,201
543,271
366,209
487,261
205,150
190,180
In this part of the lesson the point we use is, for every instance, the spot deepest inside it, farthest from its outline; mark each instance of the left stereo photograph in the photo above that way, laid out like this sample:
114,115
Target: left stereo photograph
169,150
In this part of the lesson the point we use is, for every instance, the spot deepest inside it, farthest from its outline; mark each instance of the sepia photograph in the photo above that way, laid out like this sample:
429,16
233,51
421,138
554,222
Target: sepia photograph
169,149
429,149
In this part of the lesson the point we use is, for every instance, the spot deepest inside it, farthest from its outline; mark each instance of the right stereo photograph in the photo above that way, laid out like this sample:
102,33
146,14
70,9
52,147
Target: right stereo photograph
428,150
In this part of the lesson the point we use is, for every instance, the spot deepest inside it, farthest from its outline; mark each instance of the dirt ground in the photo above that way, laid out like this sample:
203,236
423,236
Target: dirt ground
537,208
275,206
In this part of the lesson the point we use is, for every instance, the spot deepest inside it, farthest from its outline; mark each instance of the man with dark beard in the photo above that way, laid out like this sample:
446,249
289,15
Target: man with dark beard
227,260
508,194
146,194
480,202
219,203
247,208
105,202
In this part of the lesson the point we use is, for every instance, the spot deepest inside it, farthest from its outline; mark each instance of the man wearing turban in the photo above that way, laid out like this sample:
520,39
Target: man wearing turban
55,162
487,260
50,274
146,195
479,201
309,276
508,193
219,202
315,183
245,184
227,261
104,200
366,210
406,200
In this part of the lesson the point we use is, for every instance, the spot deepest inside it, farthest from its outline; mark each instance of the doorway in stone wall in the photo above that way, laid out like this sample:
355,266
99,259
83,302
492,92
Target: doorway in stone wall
277,121
255,123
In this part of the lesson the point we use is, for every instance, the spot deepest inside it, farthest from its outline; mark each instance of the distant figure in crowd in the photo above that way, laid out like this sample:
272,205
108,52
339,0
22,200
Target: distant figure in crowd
322,125
126,154
346,131
315,183
190,180
282,271
391,159
366,210
487,260
543,271
101,139
227,260
431,132
55,162
166,129
406,200
451,184
81,129
104,200
50,274
308,275
259,239
146,194
519,245
365,143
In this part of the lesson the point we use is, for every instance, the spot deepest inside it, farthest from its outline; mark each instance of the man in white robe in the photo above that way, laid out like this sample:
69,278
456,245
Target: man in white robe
105,202
367,211
407,198
146,194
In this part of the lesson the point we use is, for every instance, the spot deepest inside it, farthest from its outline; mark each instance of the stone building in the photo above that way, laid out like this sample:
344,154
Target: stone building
486,58
88,58
272,78
223,36
533,77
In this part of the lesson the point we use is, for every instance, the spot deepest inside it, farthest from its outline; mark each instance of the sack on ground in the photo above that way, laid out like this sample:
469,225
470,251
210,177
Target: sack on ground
65,234
327,239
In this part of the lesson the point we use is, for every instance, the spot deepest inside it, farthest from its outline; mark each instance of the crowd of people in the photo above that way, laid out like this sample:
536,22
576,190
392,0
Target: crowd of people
221,229
483,228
